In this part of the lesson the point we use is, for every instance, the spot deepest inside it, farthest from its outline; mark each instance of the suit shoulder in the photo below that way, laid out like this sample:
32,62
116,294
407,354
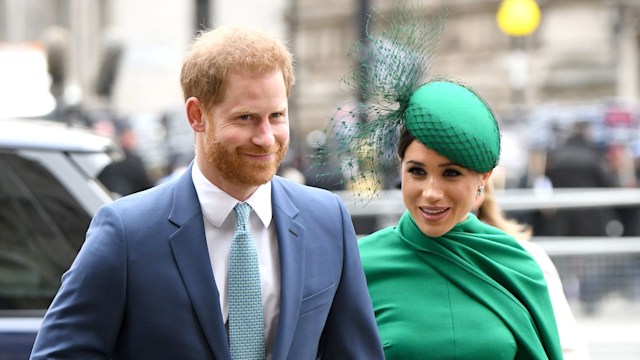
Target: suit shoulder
296,190
144,201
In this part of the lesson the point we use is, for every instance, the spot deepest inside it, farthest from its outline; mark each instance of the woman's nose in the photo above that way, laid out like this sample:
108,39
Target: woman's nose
432,190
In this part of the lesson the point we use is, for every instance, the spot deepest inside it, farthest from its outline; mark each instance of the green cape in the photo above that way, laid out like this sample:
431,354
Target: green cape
484,262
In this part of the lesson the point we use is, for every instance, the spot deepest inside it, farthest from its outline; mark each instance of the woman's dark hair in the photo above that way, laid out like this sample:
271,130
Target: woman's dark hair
403,143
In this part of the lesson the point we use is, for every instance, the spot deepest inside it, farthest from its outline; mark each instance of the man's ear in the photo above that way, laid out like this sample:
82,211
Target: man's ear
195,114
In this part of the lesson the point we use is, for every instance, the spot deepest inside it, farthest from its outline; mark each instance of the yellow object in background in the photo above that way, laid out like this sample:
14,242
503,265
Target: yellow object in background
518,17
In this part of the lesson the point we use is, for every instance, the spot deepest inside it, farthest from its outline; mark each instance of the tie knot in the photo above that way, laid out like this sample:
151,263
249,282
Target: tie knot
242,210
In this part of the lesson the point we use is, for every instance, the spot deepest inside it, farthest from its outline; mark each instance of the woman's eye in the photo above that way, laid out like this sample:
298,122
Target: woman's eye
451,172
416,171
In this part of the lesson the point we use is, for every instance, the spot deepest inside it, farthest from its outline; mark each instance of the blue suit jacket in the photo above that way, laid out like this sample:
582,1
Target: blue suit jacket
142,286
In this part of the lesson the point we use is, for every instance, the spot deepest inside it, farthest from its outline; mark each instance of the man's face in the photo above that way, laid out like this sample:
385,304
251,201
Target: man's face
247,133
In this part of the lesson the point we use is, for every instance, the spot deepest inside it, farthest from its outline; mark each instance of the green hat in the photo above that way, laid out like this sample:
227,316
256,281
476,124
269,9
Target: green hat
456,123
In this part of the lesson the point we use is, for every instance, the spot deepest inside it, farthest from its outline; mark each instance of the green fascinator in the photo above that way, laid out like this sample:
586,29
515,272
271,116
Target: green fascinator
390,79
453,121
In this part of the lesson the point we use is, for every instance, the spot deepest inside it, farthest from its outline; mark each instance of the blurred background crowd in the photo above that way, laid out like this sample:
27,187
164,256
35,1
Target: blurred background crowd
563,79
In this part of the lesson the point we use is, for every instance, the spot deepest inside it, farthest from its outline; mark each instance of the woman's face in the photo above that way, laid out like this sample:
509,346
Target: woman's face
437,192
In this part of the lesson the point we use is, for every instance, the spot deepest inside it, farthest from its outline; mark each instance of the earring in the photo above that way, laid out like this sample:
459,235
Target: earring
480,190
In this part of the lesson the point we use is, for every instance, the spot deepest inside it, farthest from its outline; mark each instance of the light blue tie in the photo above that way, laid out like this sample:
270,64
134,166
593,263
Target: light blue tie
246,323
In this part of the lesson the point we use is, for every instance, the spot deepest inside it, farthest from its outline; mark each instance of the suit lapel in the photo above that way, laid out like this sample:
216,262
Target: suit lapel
189,248
291,237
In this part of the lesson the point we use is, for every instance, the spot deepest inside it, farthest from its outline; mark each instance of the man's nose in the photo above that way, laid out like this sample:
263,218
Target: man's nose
263,135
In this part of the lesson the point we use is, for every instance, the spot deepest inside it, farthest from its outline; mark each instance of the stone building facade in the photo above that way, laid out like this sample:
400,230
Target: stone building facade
584,51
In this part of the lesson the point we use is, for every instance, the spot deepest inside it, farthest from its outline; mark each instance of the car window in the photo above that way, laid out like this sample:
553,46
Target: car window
41,230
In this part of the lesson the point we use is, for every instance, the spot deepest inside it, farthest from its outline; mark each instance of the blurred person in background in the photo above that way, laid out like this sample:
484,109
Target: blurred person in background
624,164
488,211
156,277
178,164
632,227
128,175
322,172
577,163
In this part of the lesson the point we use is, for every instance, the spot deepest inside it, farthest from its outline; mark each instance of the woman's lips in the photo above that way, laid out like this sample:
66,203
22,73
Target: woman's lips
434,213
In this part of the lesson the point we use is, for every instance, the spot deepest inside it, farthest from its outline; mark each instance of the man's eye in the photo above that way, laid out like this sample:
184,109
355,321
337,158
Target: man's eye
244,117
277,115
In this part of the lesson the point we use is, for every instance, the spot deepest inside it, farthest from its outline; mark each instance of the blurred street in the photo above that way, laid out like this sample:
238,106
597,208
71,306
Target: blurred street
614,333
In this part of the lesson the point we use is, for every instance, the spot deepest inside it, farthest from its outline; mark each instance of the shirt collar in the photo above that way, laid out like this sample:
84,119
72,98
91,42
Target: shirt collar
217,205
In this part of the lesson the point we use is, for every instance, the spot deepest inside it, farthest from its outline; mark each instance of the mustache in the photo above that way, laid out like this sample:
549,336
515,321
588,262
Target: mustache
257,150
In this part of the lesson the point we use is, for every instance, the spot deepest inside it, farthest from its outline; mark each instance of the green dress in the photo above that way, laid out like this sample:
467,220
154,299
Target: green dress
473,293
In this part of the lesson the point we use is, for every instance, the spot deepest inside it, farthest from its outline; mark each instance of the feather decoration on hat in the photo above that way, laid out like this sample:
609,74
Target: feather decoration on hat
386,69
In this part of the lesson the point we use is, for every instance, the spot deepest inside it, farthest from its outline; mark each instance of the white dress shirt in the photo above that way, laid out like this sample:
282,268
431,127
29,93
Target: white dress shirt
219,226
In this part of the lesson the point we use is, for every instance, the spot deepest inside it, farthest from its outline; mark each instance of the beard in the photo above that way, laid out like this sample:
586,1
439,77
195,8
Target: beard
230,165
